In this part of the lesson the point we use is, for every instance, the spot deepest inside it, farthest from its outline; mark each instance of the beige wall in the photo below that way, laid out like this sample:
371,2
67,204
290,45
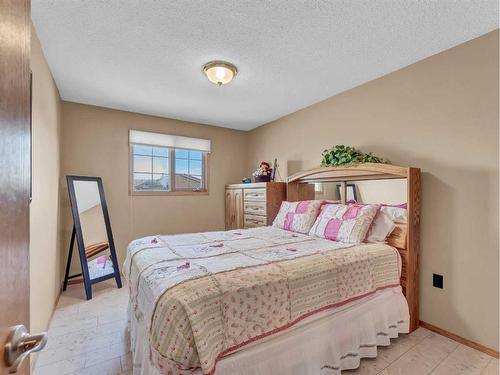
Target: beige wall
45,254
95,143
440,114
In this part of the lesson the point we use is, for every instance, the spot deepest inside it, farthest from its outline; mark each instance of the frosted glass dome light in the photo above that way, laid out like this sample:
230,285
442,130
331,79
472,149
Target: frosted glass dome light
219,72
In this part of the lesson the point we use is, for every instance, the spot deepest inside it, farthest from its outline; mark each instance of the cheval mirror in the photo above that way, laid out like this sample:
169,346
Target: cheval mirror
92,231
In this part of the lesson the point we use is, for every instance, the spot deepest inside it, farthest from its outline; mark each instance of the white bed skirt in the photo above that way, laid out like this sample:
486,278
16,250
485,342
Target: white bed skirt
325,343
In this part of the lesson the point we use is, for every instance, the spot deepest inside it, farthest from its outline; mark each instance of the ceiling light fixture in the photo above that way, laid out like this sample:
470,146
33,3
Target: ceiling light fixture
219,72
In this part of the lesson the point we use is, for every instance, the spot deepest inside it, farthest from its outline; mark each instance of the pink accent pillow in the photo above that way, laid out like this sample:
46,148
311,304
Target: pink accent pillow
328,201
401,205
297,216
396,212
344,223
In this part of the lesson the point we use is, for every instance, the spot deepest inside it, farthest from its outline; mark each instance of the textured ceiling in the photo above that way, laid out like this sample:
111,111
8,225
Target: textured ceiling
146,56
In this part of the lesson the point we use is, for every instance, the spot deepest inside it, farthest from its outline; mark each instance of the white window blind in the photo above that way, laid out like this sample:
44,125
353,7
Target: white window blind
171,141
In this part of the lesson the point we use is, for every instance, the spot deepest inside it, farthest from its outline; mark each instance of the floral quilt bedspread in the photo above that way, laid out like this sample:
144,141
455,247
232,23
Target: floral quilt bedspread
205,295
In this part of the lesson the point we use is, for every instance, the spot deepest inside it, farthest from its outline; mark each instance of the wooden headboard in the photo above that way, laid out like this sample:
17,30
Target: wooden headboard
406,237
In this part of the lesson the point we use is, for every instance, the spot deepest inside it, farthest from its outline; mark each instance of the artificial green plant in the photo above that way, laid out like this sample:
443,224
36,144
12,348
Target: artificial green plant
344,155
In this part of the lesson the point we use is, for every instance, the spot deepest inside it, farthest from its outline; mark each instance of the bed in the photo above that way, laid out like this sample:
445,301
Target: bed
271,301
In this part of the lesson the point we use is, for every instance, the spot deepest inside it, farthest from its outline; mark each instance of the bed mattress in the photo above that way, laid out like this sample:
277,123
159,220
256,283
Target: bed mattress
203,296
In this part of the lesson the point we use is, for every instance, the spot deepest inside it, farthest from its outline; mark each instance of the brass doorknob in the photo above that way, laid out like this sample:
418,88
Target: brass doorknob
20,344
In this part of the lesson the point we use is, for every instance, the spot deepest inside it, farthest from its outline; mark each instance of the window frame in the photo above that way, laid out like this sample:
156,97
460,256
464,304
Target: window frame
171,160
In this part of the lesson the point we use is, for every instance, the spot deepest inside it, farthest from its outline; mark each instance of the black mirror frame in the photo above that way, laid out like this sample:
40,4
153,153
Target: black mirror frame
77,232
353,186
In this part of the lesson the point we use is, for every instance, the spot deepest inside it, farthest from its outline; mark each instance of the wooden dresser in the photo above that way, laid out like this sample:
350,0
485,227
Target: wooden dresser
253,205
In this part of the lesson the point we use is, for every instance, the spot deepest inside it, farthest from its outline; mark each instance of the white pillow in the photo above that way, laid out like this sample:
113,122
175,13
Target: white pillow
396,214
381,228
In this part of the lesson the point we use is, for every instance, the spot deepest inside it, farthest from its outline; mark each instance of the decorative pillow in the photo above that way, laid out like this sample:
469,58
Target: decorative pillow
345,223
297,216
396,212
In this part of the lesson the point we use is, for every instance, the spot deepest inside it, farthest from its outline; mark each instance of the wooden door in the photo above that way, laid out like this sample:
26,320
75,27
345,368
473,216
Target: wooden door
15,169
234,208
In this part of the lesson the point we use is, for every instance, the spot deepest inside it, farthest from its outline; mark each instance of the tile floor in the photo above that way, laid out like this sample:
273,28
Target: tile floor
89,338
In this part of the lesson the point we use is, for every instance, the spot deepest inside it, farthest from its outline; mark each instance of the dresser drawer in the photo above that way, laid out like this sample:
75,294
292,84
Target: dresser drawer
254,221
254,195
255,208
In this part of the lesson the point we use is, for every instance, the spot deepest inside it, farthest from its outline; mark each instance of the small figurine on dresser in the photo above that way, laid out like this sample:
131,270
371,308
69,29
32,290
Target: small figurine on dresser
263,173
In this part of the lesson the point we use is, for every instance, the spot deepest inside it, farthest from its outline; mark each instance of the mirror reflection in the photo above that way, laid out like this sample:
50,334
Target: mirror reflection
387,191
95,238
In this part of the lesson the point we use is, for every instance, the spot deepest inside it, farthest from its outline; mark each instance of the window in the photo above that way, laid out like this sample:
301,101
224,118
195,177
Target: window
166,164
188,169
318,187
150,168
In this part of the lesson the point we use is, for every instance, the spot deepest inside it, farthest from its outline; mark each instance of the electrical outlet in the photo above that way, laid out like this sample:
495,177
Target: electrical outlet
437,281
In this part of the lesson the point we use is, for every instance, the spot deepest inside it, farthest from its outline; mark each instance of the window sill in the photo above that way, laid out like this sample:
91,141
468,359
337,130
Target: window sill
168,193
